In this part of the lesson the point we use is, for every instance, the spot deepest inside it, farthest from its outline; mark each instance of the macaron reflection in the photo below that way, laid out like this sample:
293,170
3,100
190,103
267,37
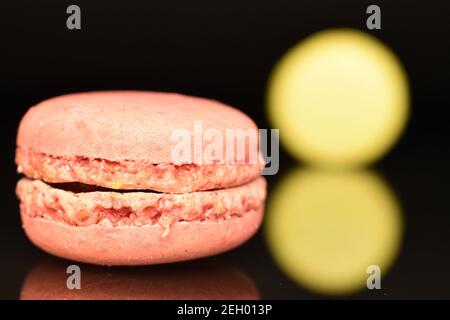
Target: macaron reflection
185,281
324,228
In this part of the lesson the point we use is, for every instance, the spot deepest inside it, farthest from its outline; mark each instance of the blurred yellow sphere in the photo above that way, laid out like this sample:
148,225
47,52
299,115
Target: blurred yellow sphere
324,229
340,99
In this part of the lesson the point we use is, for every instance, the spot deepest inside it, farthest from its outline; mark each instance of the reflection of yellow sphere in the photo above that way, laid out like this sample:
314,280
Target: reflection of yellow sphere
325,228
340,98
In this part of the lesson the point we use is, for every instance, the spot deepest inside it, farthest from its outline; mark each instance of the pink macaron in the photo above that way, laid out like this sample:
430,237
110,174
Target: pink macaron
134,178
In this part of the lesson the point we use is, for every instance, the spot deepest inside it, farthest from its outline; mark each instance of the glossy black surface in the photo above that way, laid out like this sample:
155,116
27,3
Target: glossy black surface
225,51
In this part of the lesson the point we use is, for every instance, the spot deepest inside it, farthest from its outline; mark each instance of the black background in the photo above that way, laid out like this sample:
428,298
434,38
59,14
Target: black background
225,50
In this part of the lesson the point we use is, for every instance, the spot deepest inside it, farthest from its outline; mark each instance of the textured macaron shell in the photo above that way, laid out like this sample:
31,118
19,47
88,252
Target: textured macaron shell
130,174
121,125
125,140
129,245
39,199
136,228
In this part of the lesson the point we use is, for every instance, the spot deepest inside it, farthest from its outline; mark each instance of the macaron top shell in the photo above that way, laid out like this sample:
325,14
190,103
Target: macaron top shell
138,140
121,125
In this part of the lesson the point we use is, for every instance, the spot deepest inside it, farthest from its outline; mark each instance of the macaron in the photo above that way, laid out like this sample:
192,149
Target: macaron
135,178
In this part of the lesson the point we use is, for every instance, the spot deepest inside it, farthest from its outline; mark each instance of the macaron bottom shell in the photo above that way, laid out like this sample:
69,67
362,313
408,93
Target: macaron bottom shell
136,227
143,245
